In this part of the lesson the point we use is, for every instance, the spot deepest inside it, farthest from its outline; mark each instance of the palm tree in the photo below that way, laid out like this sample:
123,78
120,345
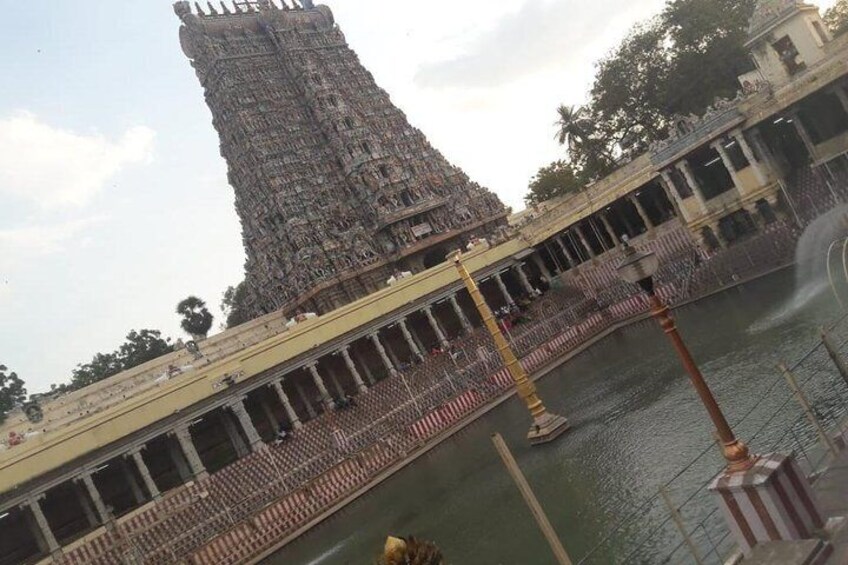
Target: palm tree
573,127
197,320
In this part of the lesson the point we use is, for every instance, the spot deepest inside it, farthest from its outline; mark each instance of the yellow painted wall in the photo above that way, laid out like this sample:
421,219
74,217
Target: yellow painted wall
43,453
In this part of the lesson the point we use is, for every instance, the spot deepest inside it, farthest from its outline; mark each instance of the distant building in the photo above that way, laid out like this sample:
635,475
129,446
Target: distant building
335,189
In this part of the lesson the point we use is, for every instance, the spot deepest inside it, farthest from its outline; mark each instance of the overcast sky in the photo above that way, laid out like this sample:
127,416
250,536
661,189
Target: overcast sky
114,202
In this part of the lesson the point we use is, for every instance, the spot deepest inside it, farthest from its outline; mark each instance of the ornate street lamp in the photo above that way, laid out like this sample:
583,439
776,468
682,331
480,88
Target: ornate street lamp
639,268
546,425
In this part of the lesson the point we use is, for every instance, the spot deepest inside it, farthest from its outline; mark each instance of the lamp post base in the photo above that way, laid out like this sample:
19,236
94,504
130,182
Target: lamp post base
547,428
772,501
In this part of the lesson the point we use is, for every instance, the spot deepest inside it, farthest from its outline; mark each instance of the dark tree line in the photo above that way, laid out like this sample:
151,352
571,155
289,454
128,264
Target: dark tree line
676,63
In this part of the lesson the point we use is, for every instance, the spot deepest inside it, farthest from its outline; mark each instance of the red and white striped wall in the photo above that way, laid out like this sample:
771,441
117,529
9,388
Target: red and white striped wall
772,501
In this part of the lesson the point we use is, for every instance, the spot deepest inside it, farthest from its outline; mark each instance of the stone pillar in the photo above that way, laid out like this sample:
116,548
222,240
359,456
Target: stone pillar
564,248
365,368
522,278
322,389
404,329
504,290
44,532
135,488
375,339
684,167
334,378
242,449
253,438
94,495
649,225
540,263
463,319
86,505
843,97
670,189
728,164
310,410
762,178
769,502
608,227
143,470
584,241
287,405
183,435
440,335
351,366
179,461
804,134
269,414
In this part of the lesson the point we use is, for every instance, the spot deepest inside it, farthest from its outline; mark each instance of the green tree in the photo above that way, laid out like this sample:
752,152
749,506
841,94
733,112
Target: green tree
197,320
102,366
678,62
837,17
234,305
141,347
12,392
557,179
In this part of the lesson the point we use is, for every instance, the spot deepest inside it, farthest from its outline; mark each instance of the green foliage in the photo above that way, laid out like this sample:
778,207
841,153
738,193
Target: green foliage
557,179
197,320
139,347
12,392
837,17
676,63
234,305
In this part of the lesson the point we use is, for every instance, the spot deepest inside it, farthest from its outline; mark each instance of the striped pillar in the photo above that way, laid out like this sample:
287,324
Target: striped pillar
770,502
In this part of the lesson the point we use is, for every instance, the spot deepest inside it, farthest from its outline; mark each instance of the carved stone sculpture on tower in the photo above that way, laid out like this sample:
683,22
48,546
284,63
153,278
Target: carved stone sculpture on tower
334,188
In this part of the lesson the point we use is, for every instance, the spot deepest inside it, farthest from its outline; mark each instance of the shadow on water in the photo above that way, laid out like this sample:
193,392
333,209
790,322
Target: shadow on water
636,422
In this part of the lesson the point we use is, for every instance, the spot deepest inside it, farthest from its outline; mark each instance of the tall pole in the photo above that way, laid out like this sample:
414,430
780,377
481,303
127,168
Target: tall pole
530,499
546,426
735,451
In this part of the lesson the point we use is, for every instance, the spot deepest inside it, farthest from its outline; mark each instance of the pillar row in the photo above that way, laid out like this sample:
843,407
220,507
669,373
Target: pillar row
564,248
684,167
641,211
287,405
407,335
354,372
748,151
183,435
608,226
44,530
582,235
440,335
375,339
144,471
728,164
504,290
329,404
525,281
94,495
240,412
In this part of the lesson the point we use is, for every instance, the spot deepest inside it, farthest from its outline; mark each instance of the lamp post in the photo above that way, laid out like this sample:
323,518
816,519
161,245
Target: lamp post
639,268
546,425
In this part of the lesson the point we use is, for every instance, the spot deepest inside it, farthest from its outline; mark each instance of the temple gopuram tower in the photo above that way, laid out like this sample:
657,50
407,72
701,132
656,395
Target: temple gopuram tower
336,191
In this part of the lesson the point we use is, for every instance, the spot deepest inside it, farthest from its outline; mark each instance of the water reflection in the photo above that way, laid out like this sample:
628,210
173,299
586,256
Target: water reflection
636,422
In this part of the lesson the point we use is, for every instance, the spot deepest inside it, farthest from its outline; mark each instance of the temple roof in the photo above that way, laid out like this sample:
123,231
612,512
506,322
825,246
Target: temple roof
769,12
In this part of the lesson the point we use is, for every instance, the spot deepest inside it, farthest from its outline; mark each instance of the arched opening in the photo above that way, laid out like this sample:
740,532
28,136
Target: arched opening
435,256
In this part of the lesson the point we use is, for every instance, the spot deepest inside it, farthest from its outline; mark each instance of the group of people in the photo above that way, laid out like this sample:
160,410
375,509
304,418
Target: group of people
512,315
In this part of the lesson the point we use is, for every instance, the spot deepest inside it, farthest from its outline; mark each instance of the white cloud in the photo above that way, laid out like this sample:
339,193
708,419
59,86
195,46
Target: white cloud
54,167
17,244
540,35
